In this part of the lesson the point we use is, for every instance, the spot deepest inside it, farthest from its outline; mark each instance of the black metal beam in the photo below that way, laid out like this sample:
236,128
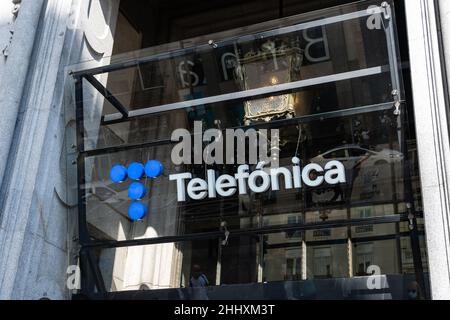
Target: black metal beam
249,231
98,278
257,126
82,225
83,234
108,95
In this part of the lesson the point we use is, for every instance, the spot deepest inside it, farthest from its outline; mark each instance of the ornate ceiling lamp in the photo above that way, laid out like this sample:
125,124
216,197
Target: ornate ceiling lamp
269,66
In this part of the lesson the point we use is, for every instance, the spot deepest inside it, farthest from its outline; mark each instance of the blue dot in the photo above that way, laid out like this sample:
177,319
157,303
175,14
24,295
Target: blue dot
137,211
154,169
136,191
118,174
136,170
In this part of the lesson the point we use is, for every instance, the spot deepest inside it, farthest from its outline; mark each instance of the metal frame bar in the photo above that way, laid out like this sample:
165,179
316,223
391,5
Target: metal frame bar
263,125
274,32
95,269
253,93
250,231
359,240
87,245
392,52
396,85
87,263
82,227
107,94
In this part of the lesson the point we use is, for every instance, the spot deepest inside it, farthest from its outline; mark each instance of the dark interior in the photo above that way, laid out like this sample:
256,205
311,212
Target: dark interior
167,21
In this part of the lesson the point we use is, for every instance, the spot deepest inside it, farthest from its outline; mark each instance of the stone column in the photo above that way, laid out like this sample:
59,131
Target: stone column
16,55
430,110
38,195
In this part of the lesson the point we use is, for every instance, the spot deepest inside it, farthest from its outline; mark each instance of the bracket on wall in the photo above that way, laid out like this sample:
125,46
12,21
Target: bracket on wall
108,95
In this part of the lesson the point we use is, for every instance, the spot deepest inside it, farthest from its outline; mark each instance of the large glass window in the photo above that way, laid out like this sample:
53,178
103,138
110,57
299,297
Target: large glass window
334,86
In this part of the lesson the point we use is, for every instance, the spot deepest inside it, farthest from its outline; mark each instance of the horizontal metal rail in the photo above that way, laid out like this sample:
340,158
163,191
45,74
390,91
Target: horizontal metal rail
248,94
263,125
264,34
247,231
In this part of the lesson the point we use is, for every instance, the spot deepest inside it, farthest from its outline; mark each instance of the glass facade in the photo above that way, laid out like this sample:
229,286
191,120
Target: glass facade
335,86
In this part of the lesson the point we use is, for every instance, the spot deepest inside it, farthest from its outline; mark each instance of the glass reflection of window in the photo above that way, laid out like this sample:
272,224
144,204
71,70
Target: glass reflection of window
293,265
365,213
364,258
293,219
322,263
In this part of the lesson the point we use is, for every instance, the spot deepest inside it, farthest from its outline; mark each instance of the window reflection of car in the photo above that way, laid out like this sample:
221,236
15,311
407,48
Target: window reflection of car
350,155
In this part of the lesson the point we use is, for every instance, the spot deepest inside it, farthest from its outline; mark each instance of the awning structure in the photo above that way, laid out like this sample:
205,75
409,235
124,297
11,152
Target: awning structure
123,113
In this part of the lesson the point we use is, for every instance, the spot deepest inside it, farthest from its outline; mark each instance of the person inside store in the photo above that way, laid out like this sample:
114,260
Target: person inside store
414,291
198,278
198,283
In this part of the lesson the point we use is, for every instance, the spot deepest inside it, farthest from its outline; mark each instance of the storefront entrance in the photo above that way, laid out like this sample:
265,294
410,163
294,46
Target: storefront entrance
329,86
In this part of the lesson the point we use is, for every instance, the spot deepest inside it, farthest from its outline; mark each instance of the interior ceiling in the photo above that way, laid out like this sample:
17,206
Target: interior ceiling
163,21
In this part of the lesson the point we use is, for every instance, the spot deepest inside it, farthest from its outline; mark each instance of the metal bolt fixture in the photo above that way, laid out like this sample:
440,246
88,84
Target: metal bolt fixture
212,44
386,10
397,108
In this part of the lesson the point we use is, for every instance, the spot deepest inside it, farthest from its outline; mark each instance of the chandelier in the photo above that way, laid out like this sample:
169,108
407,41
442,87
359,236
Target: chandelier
270,65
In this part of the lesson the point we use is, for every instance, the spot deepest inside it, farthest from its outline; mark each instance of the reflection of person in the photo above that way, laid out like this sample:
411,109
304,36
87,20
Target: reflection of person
309,291
198,284
198,279
365,134
414,292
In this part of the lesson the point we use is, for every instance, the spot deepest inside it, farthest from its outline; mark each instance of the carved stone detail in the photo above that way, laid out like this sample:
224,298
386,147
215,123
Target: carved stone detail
16,8
15,13
98,21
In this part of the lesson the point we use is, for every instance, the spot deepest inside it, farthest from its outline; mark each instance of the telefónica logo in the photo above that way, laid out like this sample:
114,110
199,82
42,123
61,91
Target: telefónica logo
136,190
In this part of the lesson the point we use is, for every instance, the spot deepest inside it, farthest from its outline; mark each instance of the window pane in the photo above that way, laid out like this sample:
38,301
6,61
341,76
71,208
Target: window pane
329,261
375,187
282,257
257,57
381,256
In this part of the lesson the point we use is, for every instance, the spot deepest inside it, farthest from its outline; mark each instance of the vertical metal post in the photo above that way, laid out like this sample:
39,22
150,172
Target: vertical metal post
96,273
87,263
82,226
400,113
392,49
82,230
